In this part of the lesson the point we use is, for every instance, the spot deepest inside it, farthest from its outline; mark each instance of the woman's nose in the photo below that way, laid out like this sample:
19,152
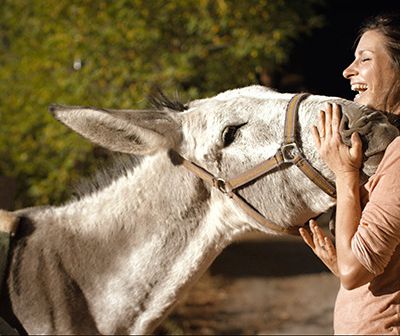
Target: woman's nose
349,71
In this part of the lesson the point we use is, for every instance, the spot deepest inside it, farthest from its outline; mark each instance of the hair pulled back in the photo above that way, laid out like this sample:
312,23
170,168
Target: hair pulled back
389,26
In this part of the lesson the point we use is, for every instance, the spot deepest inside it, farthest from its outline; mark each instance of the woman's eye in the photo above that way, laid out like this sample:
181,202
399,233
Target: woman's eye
229,134
365,59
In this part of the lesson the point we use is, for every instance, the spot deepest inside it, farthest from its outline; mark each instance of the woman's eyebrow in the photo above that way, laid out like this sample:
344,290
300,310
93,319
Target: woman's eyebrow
360,52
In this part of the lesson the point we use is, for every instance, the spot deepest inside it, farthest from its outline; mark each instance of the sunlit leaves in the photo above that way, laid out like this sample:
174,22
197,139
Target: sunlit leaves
113,54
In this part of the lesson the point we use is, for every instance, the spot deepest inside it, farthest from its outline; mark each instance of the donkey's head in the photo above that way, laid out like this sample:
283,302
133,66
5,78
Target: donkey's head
230,133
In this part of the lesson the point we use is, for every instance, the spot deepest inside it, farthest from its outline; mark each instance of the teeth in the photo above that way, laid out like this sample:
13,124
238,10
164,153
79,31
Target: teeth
359,87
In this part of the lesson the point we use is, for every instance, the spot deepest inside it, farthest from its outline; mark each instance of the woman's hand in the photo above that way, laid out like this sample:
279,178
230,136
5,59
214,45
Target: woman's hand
339,157
321,245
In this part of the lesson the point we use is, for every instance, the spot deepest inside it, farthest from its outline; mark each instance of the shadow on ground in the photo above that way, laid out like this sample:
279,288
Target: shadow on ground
258,286
267,258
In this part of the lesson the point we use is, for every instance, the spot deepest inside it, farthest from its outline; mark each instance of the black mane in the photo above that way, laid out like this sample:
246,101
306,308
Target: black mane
160,101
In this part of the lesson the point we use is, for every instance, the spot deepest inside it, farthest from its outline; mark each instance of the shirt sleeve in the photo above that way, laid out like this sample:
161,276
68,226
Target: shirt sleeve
378,234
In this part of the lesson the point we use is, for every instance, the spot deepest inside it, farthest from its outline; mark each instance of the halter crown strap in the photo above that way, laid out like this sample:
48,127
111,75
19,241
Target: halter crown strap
291,117
298,158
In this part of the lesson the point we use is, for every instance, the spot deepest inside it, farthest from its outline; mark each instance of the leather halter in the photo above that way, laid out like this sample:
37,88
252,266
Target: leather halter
288,153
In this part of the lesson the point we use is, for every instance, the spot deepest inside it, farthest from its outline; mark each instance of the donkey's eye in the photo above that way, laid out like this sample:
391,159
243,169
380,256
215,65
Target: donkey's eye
229,134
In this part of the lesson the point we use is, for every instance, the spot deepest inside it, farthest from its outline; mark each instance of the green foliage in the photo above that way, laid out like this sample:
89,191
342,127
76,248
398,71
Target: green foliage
113,54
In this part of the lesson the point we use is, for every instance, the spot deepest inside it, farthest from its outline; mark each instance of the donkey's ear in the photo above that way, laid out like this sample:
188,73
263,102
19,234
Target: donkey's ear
127,131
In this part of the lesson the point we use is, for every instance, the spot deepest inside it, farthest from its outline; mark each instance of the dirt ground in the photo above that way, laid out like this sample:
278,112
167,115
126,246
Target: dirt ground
259,286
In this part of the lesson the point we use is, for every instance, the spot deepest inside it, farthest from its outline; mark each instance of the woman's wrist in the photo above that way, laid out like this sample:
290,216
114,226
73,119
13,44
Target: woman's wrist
348,214
348,177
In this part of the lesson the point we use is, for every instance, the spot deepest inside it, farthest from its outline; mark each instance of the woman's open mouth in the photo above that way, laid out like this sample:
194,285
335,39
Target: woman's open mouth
360,88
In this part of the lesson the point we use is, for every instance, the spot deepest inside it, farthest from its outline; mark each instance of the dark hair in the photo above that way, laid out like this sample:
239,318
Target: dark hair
389,26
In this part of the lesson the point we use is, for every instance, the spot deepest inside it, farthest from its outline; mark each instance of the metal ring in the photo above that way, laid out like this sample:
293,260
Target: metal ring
223,186
289,151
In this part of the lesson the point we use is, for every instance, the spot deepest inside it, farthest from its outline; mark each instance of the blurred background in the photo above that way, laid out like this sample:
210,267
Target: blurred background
115,54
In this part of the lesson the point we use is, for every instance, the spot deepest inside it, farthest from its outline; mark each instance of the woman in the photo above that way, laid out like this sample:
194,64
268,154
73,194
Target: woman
367,254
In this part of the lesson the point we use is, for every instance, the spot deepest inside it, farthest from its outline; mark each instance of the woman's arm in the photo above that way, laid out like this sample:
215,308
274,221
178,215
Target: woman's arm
345,162
348,214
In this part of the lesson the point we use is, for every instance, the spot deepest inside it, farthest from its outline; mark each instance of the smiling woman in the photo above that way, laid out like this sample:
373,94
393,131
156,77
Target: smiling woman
366,257
374,72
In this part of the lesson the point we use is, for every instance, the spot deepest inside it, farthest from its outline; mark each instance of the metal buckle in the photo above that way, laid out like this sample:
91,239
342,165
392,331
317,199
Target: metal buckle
289,152
223,186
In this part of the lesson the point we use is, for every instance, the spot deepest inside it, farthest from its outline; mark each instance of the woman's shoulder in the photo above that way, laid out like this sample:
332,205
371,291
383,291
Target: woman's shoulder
394,147
395,142
391,158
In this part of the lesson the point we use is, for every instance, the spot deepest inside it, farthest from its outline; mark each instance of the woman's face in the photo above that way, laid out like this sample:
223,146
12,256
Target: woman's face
373,75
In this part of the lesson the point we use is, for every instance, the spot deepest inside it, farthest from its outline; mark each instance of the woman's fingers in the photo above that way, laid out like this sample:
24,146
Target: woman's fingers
317,234
328,124
321,245
336,116
328,120
330,247
322,123
338,156
320,240
307,238
356,147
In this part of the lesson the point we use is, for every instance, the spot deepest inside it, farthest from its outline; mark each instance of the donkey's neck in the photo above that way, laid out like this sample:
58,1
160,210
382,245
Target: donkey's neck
137,244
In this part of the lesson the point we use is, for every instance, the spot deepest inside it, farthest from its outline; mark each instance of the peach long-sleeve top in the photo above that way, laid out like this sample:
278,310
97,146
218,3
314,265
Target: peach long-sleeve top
375,307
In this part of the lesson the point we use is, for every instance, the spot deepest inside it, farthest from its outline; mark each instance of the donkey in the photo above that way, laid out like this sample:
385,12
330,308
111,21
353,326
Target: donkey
117,259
